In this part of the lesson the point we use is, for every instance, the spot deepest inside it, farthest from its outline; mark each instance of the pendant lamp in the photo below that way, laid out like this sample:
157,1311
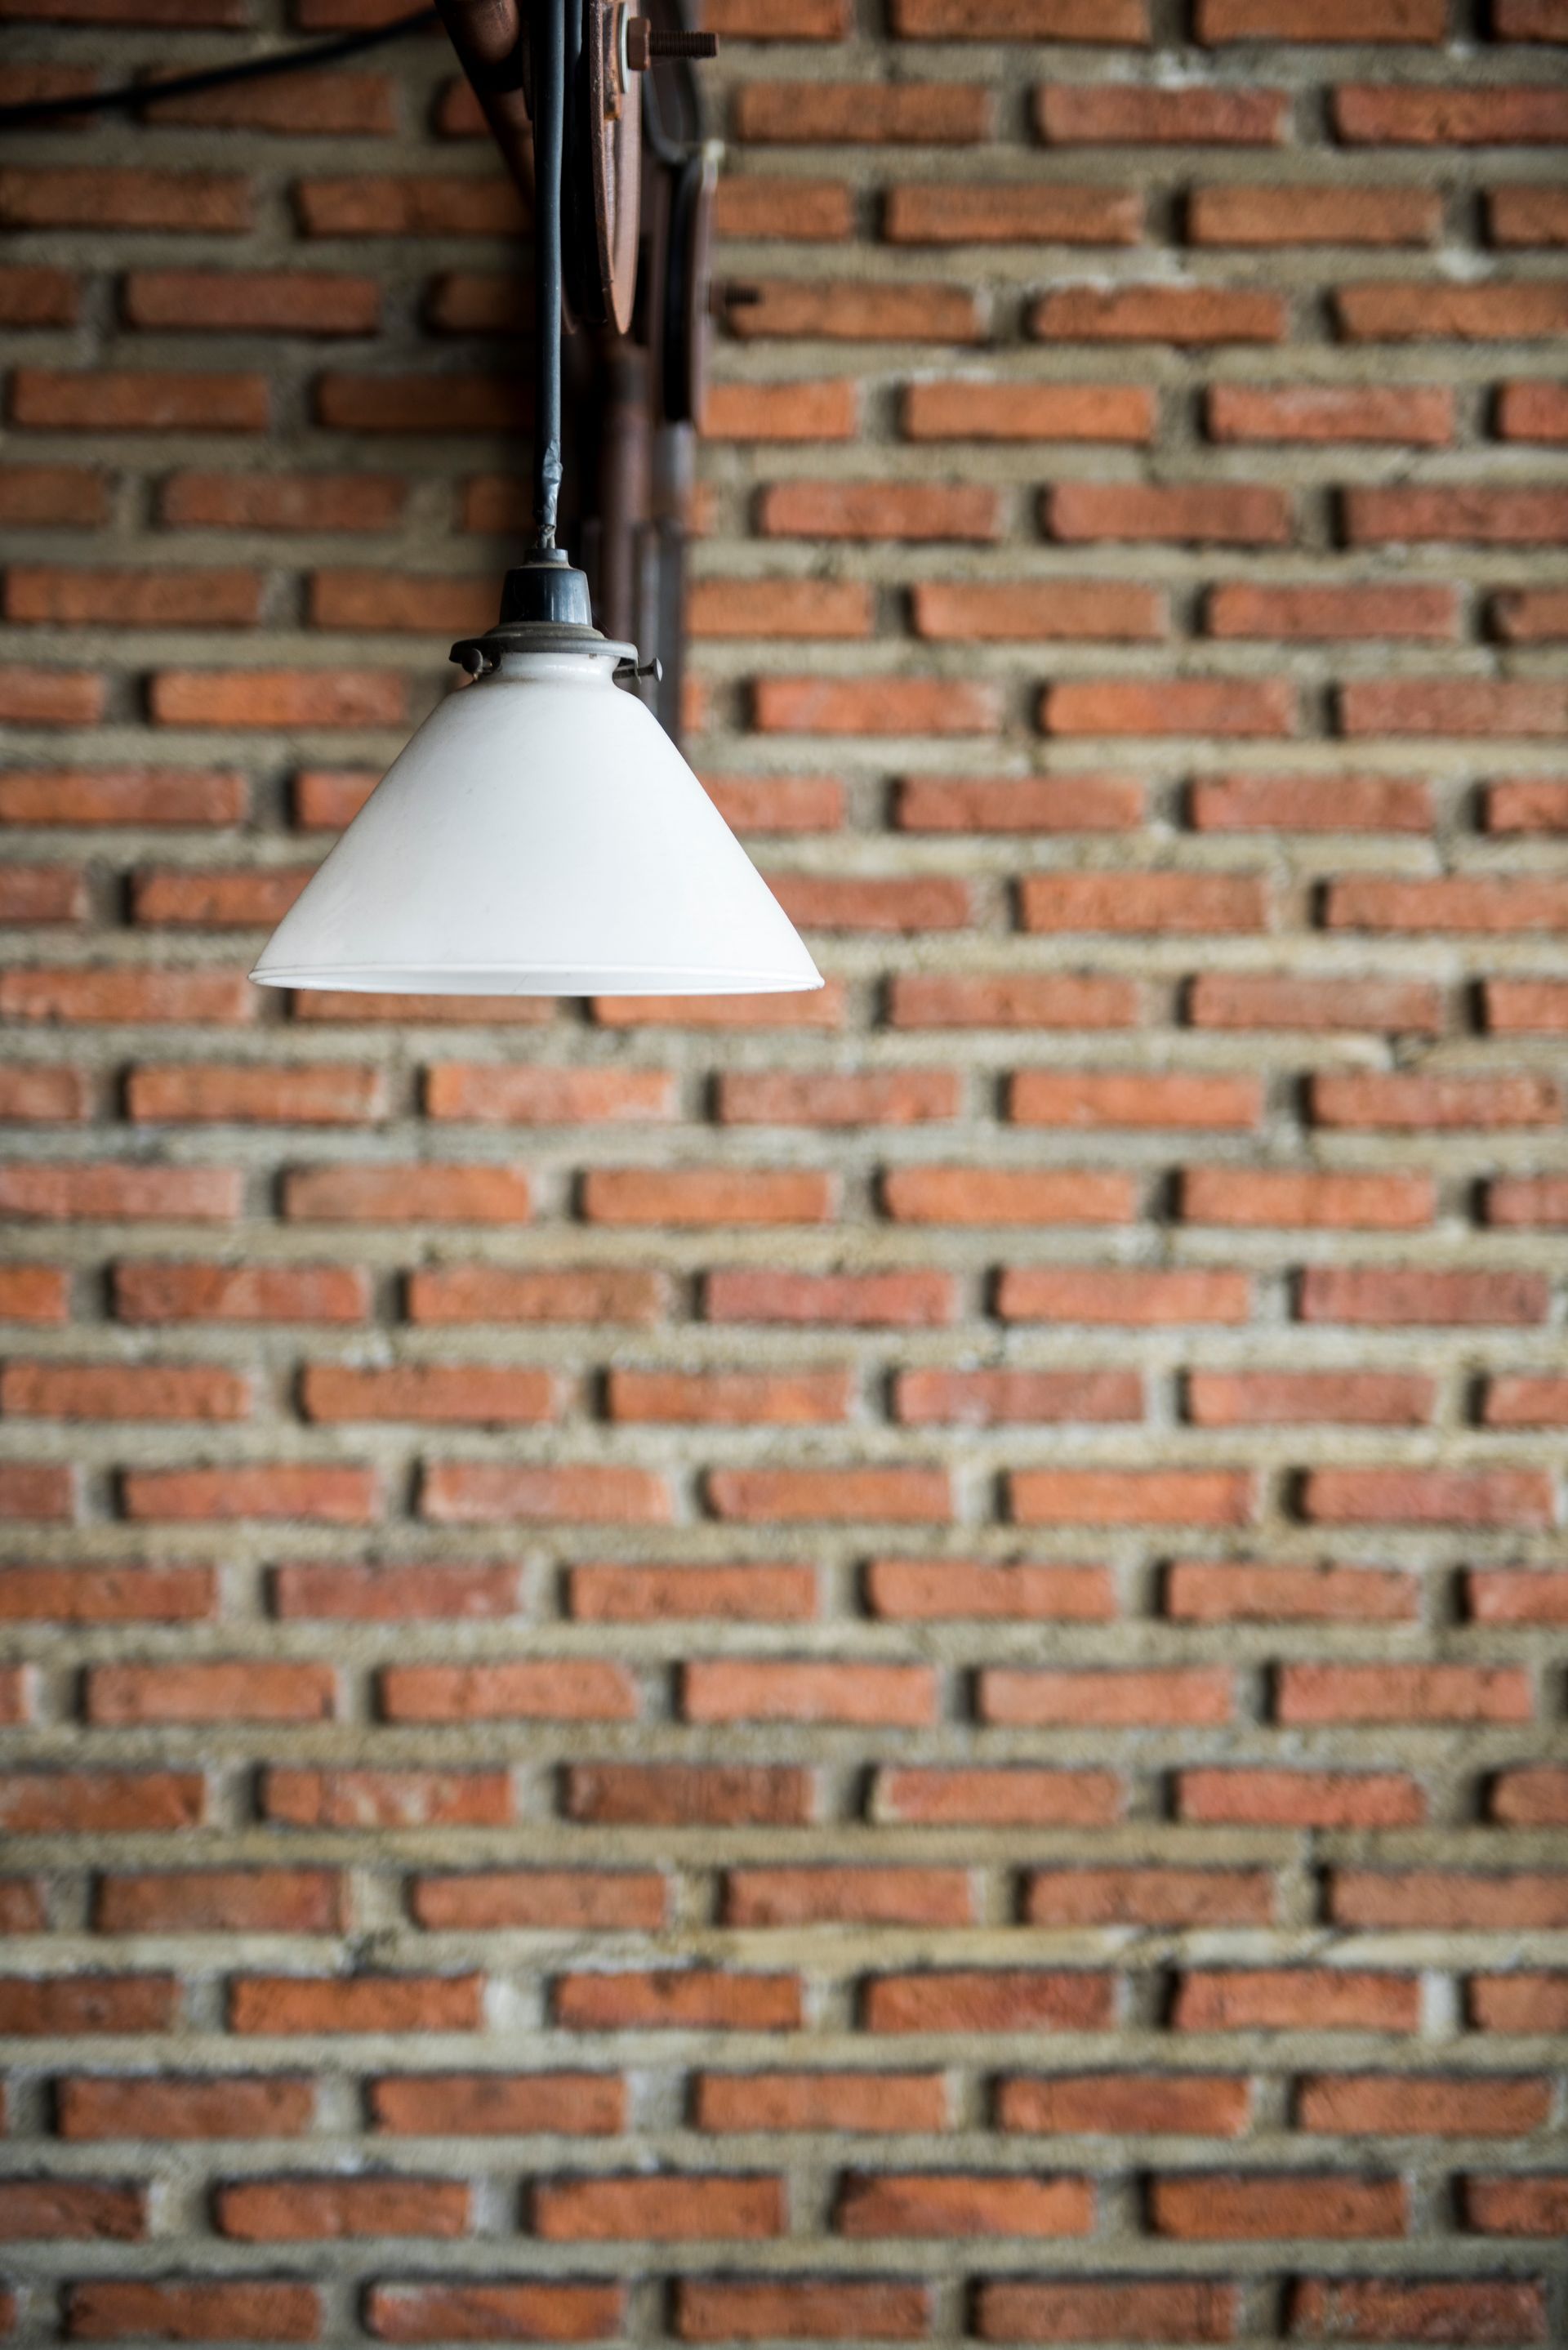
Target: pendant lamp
541,835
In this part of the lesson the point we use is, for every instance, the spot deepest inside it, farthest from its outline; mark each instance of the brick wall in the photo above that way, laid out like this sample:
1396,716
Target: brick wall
884,1667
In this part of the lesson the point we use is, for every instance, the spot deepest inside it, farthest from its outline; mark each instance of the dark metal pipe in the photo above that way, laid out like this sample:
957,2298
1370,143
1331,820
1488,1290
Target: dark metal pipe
549,95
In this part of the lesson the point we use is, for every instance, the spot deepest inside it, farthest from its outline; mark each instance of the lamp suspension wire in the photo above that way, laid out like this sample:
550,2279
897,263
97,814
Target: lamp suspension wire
549,97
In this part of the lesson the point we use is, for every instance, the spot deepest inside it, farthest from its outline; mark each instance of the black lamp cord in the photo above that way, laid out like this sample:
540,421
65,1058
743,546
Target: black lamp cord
129,97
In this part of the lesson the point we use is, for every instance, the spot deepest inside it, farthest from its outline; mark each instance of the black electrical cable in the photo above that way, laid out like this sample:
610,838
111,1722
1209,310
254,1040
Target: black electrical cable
549,37
133,95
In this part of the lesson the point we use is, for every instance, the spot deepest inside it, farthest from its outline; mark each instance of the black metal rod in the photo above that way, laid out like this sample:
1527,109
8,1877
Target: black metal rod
549,95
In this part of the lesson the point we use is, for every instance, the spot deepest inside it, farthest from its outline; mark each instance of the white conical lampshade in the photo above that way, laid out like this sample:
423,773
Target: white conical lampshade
540,836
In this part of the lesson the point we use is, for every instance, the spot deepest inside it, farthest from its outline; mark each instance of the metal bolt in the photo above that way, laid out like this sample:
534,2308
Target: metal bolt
645,41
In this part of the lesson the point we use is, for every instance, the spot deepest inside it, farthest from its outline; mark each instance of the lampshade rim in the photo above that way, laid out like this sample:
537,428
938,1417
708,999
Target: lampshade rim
538,979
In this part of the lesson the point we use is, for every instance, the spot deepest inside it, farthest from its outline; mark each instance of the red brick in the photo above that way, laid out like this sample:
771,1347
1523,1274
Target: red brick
1505,1596
1121,1296
325,1494
813,212
1397,2105
1451,1902
479,1493
1372,1101
1532,412
773,609
39,1094
1258,1398
816,1098
389,1594
46,697
1029,611
1133,2105
1131,1497
141,2105
75,195
1527,616
1382,311
1253,1197
39,496
920,1297
1010,212
1222,708
1529,1797
930,2203
516,2312
292,502
411,204
1197,1591
34,1292
1149,1896
824,1008
1484,1497
1106,1699
750,2309
1300,1799
1025,804
36,1490
1181,514
1128,1098
1331,413
1518,2002
861,1896
1423,21
988,1399
436,1394
269,2004
123,1695
1527,20
1237,214
853,311
570,1900
671,1999
324,1093
99,1802
1483,517
965,407
301,104
726,1398
459,1295
1328,614
40,893
214,1900
385,1799
54,593
1387,2309
1515,2207
814,409
879,510
378,1193
1008,1195
989,1999
204,2309
1353,803
106,1595
1522,1403
129,795
524,1690
131,994
729,2102
1210,2210
62,2006
857,113
1461,706
36,2209
281,2211
87,1190
138,399
1400,1692
740,1689
269,698
1526,1202
1011,1000
1295,1999
78,1391
895,904
1408,1296
1131,114
1170,2309
33,295
252,301
708,1195
688,1794
485,2104
1021,20
1001,1798
416,601
777,803
669,2209
1449,114
149,1289
1187,315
